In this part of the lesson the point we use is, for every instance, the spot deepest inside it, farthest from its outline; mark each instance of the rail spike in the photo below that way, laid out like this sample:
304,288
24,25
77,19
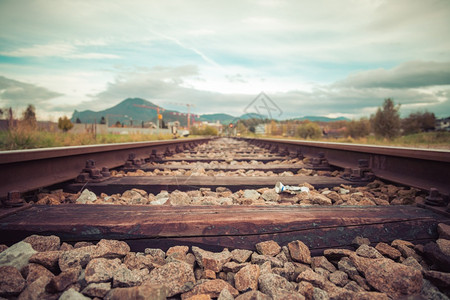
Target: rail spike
320,161
155,155
168,152
105,172
89,173
132,163
14,199
361,173
435,198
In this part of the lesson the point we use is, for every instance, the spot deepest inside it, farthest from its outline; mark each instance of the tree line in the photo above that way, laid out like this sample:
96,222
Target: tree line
29,120
385,123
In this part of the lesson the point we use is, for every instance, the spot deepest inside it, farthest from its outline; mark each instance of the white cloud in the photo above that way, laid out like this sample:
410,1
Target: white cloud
58,49
17,94
64,50
165,85
411,74
93,56
201,32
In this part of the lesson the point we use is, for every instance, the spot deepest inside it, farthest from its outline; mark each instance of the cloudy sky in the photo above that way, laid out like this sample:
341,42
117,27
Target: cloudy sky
324,58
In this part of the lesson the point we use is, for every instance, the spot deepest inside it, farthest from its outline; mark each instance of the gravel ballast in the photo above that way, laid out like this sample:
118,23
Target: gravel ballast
110,270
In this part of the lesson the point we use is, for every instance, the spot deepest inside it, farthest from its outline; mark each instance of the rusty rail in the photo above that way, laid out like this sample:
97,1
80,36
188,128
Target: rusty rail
421,168
26,170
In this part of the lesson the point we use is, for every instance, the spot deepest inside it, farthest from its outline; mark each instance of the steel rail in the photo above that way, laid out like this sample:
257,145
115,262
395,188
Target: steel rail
26,170
420,168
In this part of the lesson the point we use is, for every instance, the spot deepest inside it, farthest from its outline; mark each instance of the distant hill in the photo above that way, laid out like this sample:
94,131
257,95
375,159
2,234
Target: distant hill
126,111
226,118
222,118
321,119
122,112
252,116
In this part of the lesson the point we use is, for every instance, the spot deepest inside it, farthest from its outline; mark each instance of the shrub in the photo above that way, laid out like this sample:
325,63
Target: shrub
208,130
357,129
418,122
309,130
64,124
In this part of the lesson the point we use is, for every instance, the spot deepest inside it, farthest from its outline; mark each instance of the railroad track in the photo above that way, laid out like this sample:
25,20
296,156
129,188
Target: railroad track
216,193
237,173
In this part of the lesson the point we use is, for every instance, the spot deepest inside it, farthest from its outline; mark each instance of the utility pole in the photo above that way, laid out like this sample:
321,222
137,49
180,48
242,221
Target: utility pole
188,105
157,108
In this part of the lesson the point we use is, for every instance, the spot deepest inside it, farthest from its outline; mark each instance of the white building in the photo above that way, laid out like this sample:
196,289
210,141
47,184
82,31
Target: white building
443,124
260,129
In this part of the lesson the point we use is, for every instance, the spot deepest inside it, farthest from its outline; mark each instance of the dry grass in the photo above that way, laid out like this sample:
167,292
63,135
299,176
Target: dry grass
25,137
426,140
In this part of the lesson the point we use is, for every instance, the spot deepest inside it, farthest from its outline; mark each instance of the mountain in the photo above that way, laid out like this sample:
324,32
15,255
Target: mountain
252,116
212,118
226,118
127,110
321,119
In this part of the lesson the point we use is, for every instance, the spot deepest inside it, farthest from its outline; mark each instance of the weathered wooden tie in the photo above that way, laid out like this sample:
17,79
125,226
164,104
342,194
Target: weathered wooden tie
154,184
215,227
220,159
276,168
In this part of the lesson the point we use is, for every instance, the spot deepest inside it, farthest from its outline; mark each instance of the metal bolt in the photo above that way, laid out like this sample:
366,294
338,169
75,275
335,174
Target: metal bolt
82,177
434,198
13,199
105,172
348,171
434,193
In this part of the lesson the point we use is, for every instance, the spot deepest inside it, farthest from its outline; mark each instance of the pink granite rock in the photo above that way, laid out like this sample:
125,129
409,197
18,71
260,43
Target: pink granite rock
270,248
247,278
11,281
43,243
299,252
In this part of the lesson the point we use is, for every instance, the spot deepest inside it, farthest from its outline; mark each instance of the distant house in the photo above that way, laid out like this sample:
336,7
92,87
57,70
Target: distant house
443,124
260,129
